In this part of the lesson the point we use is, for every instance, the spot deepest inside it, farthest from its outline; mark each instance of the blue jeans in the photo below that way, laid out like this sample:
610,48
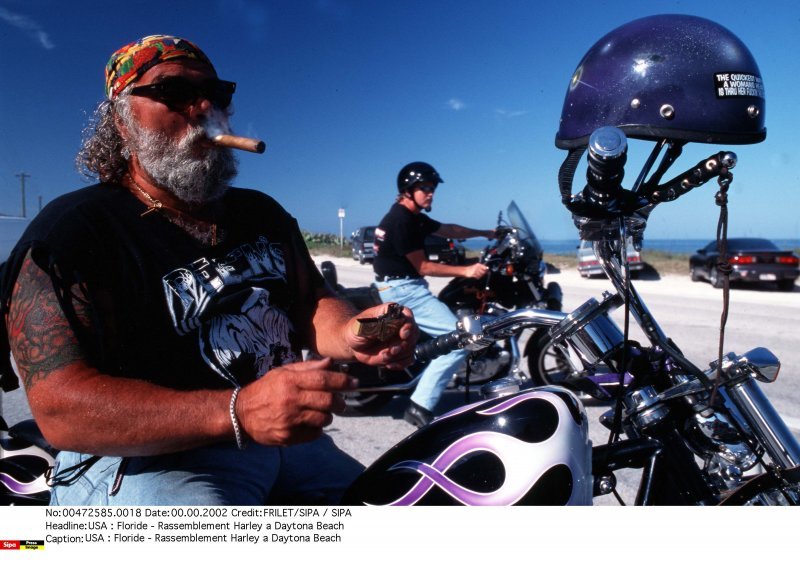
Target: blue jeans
314,473
434,318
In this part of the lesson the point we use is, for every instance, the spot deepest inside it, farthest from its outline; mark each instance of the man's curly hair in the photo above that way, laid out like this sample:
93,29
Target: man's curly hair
104,154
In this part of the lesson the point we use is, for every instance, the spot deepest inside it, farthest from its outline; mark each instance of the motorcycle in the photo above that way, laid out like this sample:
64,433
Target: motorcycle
698,437
25,461
516,279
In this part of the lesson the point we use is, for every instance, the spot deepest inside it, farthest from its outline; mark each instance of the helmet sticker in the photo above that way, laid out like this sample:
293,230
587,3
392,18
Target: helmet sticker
729,85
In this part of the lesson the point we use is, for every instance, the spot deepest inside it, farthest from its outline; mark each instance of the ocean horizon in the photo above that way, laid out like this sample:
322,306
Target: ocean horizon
677,246
11,228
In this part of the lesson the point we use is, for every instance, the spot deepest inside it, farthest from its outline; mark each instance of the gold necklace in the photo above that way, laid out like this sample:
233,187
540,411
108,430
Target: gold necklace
156,205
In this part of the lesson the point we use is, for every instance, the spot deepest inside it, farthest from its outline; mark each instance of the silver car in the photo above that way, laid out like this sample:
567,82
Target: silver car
361,243
589,266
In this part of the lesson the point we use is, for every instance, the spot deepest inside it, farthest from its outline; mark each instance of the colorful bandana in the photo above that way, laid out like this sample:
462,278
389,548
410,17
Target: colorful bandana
132,61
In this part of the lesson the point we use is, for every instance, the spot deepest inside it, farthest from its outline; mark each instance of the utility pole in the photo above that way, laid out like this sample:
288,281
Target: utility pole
22,176
341,227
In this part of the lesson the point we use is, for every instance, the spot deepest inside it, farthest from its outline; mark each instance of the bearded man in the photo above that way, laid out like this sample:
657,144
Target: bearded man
156,319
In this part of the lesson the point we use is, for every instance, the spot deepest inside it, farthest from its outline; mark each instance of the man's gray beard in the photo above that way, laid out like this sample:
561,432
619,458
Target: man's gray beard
176,168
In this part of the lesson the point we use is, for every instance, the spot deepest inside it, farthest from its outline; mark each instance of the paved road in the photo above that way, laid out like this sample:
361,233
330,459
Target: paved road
689,313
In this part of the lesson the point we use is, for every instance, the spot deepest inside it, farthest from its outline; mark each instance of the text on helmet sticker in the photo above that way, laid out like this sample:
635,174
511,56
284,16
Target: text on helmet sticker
729,85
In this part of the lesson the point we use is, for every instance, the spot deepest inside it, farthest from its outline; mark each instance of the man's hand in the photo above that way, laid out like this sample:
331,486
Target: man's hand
476,270
293,403
394,352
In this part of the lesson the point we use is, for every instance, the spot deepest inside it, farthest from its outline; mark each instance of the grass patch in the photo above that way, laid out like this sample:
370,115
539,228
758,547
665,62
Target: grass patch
667,262
562,261
662,262
330,250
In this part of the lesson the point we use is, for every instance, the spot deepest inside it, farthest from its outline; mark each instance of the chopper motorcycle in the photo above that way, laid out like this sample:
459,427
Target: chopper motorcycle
516,279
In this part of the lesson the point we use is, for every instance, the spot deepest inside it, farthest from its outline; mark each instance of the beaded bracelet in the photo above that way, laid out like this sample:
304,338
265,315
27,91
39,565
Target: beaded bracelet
237,430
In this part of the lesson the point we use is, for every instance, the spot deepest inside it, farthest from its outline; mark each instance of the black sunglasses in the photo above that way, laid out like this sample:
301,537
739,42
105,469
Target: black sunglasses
178,93
425,188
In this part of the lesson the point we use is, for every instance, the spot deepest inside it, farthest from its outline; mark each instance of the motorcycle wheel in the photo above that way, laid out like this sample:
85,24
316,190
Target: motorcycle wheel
546,365
767,489
365,403
554,296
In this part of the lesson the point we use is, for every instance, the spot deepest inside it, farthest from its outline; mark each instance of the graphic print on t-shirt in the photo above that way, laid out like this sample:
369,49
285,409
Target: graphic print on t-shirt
227,300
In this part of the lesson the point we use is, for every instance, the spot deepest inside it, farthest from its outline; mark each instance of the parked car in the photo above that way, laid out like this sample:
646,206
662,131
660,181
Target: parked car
437,249
752,260
446,251
361,244
589,266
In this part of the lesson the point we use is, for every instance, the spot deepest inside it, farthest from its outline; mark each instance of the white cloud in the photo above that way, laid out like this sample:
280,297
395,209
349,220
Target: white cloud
510,113
456,104
27,25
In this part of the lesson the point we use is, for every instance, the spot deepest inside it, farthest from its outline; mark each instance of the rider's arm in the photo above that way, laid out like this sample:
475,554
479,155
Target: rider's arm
328,322
453,231
81,409
427,268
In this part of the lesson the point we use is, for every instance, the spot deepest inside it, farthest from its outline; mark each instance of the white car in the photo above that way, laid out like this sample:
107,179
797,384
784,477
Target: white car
589,266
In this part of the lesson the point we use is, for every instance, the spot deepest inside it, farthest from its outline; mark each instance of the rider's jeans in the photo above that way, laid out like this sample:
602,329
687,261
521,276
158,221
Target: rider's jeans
315,473
434,318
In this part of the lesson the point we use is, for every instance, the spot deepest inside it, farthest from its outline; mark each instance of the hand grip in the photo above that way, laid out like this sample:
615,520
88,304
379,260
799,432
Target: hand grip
438,346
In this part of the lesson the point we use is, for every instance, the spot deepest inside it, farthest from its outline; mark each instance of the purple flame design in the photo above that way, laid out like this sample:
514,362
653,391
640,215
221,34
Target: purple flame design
21,488
524,462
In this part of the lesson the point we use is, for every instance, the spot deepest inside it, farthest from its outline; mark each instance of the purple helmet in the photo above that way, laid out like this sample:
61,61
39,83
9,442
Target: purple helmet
669,76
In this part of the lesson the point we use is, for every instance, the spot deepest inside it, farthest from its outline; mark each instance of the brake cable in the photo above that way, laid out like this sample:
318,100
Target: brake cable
616,430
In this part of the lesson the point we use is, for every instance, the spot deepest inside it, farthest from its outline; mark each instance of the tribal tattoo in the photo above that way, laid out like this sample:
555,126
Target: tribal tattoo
40,336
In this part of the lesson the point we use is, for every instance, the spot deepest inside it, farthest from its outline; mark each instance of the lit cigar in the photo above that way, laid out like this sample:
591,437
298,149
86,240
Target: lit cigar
239,142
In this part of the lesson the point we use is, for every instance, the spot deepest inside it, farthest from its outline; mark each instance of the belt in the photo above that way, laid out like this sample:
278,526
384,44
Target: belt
391,277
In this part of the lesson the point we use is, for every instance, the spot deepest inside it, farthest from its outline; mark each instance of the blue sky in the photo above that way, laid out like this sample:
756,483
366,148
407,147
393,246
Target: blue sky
345,92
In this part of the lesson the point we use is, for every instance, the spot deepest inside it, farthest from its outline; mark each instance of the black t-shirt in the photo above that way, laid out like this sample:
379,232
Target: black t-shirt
399,233
165,308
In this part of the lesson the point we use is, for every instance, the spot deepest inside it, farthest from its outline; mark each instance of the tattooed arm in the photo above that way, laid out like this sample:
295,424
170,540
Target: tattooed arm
81,409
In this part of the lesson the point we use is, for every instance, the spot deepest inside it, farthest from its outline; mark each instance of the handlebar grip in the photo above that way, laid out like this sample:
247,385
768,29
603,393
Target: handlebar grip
608,148
438,346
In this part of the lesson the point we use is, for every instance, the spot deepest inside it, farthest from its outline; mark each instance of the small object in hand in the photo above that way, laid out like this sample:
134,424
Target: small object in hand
382,327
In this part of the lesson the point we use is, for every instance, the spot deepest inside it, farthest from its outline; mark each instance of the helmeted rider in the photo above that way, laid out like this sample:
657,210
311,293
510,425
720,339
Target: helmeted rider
400,266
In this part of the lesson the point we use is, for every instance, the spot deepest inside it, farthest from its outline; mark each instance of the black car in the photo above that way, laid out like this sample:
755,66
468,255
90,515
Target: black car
752,260
361,243
446,251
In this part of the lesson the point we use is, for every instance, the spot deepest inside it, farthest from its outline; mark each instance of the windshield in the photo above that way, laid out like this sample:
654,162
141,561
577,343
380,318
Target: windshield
517,220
